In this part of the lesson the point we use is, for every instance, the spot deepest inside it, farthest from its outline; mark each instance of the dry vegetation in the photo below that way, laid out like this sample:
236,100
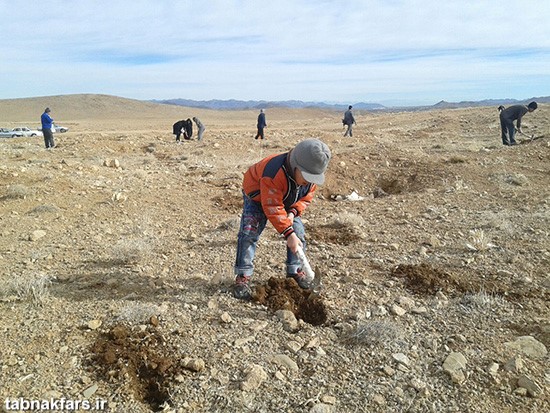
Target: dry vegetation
116,253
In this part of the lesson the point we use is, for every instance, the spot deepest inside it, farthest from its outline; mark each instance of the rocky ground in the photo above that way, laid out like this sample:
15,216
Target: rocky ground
116,254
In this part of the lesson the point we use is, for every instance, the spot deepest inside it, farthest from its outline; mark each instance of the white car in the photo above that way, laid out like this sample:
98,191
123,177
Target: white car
57,128
8,133
28,132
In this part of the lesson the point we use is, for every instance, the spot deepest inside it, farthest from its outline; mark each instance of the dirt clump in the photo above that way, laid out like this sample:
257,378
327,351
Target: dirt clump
425,279
140,357
286,294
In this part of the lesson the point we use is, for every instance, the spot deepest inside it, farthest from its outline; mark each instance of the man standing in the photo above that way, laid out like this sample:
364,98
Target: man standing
200,128
348,121
47,123
507,118
261,125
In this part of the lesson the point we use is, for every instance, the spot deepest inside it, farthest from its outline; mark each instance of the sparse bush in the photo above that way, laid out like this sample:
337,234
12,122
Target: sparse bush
139,312
131,251
375,333
478,241
26,287
18,192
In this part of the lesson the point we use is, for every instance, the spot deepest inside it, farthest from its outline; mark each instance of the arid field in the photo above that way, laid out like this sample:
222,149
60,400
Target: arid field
117,251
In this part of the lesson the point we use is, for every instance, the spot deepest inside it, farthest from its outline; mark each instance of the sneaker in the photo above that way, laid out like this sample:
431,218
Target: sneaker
242,290
301,279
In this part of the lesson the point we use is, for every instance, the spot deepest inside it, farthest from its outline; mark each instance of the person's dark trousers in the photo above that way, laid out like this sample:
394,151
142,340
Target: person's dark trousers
260,133
508,131
48,138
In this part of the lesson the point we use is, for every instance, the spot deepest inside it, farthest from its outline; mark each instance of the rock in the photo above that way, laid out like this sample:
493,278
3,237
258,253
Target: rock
94,324
379,400
36,235
90,391
406,302
398,311
195,365
515,364
321,408
255,375
328,399
454,365
288,319
528,345
226,318
493,369
286,362
454,361
401,359
533,389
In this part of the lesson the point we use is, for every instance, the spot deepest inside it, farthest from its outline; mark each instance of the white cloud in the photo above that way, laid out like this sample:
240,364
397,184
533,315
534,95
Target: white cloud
309,50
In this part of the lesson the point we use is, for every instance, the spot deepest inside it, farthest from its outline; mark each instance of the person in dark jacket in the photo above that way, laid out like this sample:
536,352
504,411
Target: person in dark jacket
188,133
507,118
47,123
261,125
177,129
348,121
278,189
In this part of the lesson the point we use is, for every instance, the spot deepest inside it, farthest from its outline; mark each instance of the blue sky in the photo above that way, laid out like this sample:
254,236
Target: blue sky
391,52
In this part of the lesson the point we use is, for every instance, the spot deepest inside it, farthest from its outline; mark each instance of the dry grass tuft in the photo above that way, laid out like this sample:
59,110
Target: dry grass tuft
375,333
131,250
18,192
27,287
139,312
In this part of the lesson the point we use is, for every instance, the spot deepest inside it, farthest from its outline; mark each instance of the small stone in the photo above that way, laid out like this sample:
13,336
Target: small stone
389,371
379,400
154,321
286,362
454,361
398,311
533,389
321,408
293,346
195,365
89,392
36,235
406,302
288,319
226,318
255,375
401,359
493,369
515,364
94,324
328,399
528,345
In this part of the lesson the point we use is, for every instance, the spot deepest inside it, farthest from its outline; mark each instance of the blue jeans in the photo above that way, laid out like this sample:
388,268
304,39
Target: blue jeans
508,131
253,222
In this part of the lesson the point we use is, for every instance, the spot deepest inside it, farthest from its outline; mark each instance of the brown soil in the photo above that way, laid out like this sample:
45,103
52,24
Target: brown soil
140,359
286,294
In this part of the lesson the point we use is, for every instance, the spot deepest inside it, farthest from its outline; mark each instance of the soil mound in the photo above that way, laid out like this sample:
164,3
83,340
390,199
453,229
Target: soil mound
286,294
139,358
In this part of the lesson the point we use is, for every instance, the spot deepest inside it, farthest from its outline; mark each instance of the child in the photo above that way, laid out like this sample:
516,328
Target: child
278,188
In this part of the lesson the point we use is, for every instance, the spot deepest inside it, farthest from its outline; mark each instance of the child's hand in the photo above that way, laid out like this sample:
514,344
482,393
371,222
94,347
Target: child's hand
290,216
293,242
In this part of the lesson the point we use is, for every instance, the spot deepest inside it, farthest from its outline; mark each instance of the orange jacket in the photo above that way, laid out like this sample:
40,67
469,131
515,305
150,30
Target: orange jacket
271,182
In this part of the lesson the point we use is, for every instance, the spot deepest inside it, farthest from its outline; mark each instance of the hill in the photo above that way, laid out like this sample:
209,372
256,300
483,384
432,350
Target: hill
117,251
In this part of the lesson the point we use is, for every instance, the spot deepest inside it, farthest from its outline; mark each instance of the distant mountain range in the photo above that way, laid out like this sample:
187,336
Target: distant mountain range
233,104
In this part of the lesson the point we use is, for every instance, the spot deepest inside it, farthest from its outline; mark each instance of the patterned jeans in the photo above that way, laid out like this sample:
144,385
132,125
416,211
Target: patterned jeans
253,222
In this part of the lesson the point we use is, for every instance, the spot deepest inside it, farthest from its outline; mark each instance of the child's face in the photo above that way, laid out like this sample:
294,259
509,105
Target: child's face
298,177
